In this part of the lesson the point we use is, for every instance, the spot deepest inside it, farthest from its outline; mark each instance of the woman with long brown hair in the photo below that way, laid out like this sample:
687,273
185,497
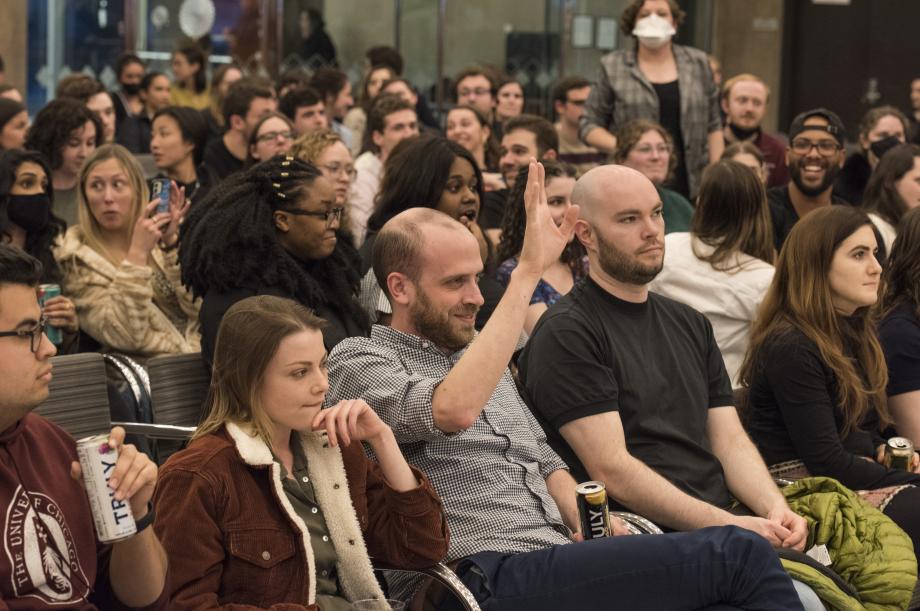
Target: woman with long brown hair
724,265
274,504
899,331
815,371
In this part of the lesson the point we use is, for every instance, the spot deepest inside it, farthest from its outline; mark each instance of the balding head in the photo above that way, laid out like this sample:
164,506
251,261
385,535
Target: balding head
401,243
608,188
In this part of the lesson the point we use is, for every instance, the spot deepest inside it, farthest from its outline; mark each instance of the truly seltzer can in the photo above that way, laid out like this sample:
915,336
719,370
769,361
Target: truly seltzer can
46,292
898,453
592,510
113,518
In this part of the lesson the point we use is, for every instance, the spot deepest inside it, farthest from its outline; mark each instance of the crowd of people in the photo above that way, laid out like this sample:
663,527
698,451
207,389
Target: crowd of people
423,331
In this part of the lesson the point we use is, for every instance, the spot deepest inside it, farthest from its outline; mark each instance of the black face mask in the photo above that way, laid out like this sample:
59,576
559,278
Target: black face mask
884,145
31,212
131,88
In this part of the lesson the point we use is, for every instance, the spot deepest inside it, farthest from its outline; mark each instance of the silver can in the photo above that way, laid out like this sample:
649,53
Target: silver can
899,451
113,518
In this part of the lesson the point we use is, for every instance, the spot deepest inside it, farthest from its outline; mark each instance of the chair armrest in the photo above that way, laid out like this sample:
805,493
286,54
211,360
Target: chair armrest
444,576
157,431
637,524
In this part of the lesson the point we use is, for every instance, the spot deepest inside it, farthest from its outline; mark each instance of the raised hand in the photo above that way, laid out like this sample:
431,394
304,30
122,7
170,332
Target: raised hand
147,232
543,240
178,207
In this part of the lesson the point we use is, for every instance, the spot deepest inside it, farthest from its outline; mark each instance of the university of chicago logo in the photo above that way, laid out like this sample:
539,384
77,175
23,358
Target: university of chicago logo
41,551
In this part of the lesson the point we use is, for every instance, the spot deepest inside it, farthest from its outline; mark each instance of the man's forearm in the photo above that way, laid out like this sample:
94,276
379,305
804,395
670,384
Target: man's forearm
137,569
601,139
561,486
747,476
716,146
461,396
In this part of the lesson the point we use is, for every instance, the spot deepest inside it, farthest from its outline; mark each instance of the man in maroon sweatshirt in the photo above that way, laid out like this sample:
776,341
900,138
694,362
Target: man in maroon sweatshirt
50,558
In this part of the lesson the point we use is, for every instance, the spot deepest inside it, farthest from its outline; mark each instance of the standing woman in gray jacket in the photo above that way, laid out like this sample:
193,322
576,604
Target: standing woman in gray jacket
658,80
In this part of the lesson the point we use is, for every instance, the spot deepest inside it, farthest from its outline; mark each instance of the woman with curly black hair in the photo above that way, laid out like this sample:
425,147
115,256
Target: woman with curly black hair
272,230
66,133
26,222
572,265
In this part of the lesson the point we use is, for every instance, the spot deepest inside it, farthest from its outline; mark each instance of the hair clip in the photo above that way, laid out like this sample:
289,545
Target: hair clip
285,174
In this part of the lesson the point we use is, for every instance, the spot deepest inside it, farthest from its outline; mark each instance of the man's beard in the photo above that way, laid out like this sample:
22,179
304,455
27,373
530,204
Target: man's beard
436,325
831,170
620,266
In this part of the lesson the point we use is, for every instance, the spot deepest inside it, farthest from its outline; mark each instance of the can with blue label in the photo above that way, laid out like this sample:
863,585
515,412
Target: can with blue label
46,292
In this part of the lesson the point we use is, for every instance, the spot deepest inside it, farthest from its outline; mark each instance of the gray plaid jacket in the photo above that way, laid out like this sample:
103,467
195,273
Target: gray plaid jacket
622,93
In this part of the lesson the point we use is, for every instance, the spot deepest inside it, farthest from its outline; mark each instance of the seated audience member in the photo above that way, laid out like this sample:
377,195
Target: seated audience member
572,266
524,136
509,100
94,96
120,264
404,89
646,146
55,560
880,130
27,223
190,78
429,172
356,117
177,145
290,80
272,135
324,149
9,92
272,230
469,128
653,417
304,108
475,86
129,71
748,155
333,86
221,80
814,156
724,265
134,130
269,463
65,132
815,371
893,190
509,500
899,331
744,102
14,121
569,97
391,120
247,101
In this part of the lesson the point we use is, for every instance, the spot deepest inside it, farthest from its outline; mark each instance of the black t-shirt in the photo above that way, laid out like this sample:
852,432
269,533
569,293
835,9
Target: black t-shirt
900,337
656,363
669,117
783,213
219,161
794,415
493,209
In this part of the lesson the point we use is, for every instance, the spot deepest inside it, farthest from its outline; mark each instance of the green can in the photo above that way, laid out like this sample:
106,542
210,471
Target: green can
46,292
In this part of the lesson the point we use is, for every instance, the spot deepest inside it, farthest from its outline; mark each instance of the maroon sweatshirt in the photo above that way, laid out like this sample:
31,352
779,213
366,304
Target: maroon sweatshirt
50,554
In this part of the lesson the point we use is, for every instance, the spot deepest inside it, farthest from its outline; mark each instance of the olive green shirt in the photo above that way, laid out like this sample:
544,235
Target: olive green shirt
299,491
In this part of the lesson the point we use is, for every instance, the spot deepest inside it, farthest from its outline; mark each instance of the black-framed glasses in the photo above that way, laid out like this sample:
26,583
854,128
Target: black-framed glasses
329,216
802,146
35,334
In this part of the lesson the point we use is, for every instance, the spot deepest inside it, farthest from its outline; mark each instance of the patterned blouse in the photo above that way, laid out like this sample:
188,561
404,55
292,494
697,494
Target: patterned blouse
544,293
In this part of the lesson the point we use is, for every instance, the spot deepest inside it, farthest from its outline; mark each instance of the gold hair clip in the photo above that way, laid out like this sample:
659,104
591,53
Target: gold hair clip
285,174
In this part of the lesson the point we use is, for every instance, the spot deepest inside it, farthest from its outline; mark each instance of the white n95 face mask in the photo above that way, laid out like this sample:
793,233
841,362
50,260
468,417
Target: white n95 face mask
654,31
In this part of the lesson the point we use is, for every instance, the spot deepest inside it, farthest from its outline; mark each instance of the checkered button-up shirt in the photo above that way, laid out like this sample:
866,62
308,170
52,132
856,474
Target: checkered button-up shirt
491,476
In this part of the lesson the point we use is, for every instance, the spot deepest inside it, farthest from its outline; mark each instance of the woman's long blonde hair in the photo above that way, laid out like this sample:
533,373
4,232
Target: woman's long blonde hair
249,335
800,298
89,226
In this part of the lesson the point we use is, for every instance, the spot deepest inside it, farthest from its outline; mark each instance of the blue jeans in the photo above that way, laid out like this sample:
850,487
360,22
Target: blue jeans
713,568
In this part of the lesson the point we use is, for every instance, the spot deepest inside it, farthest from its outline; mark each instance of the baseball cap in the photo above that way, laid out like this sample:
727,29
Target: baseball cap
834,125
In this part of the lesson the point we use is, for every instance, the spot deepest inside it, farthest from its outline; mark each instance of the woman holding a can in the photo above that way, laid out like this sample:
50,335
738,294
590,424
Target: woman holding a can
274,503
120,262
815,372
27,222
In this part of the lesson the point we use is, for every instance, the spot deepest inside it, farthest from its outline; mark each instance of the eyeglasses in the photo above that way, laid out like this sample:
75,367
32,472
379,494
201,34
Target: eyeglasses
329,216
802,146
269,136
35,334
477,92
337,168
647,149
